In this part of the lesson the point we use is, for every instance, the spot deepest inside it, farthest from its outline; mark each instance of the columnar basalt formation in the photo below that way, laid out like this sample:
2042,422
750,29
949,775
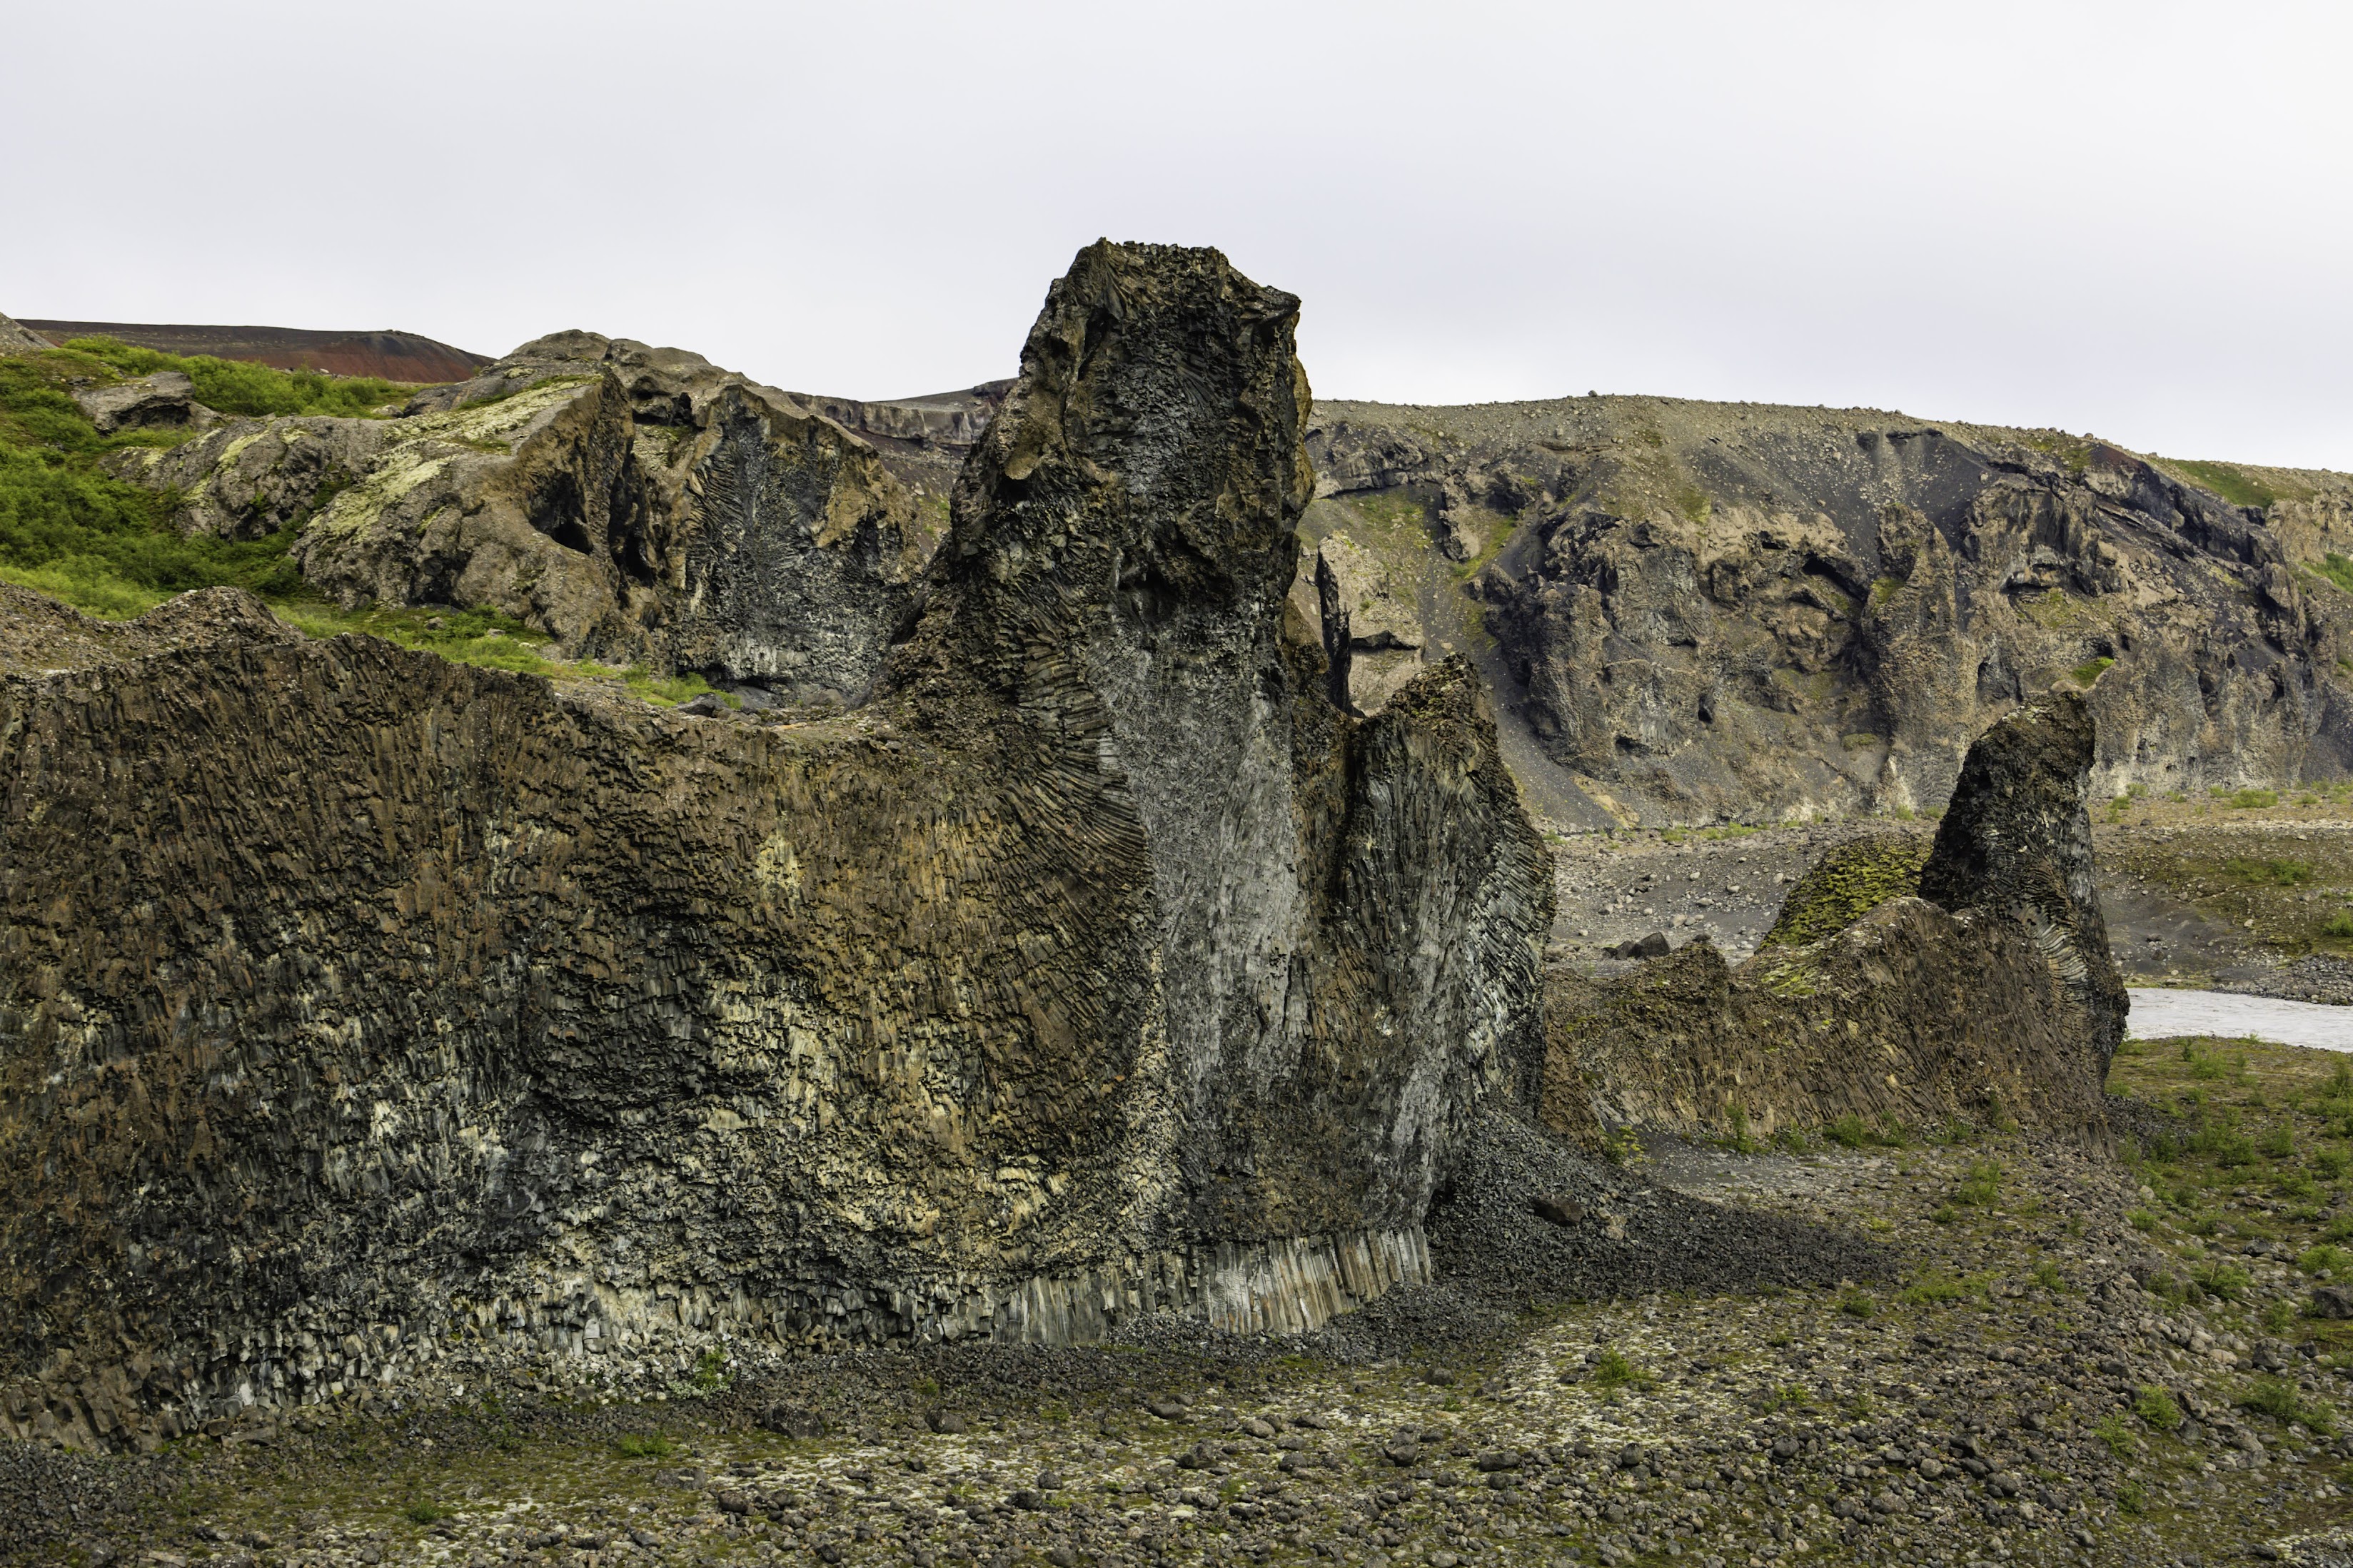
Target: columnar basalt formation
1905,982
360,1011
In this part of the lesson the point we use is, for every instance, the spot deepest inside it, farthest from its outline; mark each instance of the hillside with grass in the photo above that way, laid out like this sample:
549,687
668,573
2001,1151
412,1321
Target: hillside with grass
110,548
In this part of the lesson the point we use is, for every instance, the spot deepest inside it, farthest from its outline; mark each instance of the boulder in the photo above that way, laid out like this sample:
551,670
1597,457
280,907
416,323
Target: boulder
1099,967
165,400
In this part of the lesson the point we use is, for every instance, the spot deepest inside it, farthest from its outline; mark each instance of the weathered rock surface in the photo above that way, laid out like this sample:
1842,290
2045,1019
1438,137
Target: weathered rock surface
357,1008
1712,612
639,503
161,401
1903,983
17,339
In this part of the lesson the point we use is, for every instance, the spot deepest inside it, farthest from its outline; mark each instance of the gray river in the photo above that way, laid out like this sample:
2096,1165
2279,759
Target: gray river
2158,1013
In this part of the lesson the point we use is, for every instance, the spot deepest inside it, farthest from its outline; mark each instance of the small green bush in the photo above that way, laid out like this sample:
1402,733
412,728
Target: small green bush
2118,1437
2223,1282
1983,1186
2338,925
1848,1132
2331,1164
2279,1144
1936,1289
426,1513
2254,799
2142,1219
2157,1407
2335,1260
2278,1398
644,1446
1858,1304
1611,1371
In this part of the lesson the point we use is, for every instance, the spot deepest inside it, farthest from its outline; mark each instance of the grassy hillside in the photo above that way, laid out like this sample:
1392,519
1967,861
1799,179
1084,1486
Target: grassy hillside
71,531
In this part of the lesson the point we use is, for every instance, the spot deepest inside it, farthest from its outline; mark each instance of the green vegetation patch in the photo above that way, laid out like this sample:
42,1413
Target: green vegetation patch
2272,873
239,387
2338,570
2091,671
2229,483
69,530
1847,884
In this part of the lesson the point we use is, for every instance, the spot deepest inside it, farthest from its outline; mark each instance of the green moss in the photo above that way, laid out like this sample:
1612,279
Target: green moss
1847,884
2091,671
1860,741
2338,570
1884,590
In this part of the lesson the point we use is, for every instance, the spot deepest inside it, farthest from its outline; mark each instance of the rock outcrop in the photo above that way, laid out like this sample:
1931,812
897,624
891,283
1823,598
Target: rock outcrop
17,339
640,504
371,1020
165,400
1904,984
1701,612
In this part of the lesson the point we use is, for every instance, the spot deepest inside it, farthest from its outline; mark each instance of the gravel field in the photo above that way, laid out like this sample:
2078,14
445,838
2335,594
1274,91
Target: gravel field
1980,1350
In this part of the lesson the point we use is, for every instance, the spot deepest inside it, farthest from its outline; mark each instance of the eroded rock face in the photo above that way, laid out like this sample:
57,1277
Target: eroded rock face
1100,965
1903,982
640,503
1708,612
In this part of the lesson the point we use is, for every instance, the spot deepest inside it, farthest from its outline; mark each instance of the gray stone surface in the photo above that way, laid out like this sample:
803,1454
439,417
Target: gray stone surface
1100,967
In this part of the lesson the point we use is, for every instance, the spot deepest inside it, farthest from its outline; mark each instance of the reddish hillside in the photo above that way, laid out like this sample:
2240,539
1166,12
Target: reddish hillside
395,356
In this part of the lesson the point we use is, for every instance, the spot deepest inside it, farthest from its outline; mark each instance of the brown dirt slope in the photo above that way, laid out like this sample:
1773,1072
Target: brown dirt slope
393,355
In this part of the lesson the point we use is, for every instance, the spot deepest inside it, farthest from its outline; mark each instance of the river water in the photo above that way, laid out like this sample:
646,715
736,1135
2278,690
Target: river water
2159,1013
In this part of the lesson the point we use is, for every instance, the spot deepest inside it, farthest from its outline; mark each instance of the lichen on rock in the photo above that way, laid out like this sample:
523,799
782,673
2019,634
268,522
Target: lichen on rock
1099,966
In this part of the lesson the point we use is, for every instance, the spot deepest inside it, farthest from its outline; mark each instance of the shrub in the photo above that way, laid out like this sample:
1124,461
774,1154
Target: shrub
1858,1304
644,1446
2335,1260
2224,1281
1611,1371
1936,1289
2142,1219
426,1513
2157,1407
2331,1164
2338,925
2118,1437
1983,1186
2254,799
2278,1398
2279,1144
2047,1275
1848,1132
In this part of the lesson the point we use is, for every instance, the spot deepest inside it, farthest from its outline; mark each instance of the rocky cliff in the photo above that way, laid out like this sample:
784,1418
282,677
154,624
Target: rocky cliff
640,504
1904,984
363,1015
1705,612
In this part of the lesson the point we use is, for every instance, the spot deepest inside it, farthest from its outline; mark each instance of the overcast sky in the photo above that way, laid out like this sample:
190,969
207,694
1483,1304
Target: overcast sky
2134,220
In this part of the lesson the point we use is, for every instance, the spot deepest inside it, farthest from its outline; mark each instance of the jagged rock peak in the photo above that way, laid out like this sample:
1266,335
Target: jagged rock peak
2017,840
1148,460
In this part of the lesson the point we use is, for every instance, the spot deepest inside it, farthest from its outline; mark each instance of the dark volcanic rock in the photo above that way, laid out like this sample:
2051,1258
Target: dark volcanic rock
1707,612
1101,967
2016,842
1901,983
17,339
